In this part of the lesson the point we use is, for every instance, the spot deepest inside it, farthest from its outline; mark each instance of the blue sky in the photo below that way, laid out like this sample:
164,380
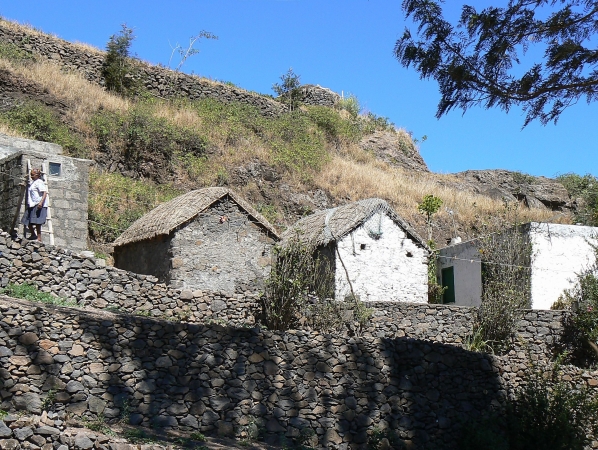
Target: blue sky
343,45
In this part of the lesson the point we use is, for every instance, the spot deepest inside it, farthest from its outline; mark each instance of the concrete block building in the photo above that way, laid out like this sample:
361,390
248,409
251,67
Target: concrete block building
559,252
68,185
207,239
370,249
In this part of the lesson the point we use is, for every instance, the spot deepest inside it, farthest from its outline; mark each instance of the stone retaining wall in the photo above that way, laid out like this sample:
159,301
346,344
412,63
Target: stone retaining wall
88,282
157,80
216,379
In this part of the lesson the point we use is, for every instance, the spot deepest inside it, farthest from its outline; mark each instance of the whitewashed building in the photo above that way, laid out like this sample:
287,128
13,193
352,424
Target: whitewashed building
371,250
558,253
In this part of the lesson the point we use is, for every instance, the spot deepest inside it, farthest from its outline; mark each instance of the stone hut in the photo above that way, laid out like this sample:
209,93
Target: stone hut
207,239
371,250
68,185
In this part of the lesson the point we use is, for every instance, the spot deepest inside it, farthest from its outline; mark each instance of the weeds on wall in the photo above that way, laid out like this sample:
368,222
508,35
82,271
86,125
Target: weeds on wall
506,284
37,121
32,293
297,281
544,413
15,54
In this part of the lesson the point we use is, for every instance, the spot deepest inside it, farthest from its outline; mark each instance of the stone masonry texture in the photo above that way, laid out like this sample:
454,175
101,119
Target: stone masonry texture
407,371
156,80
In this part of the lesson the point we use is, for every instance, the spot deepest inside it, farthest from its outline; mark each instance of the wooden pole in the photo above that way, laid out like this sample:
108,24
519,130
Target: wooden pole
49,216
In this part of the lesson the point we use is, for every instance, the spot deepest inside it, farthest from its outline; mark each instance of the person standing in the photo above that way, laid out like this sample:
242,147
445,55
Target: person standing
37,205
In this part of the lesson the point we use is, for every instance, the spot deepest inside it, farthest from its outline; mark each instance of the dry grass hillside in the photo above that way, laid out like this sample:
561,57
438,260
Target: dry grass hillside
148,150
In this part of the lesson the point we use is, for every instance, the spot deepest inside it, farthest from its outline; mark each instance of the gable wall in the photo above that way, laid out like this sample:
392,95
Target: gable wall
559,253
382,271
230,256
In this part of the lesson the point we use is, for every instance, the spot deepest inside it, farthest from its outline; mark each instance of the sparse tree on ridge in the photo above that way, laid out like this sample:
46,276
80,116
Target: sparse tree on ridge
481,60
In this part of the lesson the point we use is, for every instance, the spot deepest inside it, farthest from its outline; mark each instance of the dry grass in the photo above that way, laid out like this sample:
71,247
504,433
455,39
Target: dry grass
355,180
5,129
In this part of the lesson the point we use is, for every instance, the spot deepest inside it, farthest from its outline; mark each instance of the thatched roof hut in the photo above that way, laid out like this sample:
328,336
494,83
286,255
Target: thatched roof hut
166,217
324,227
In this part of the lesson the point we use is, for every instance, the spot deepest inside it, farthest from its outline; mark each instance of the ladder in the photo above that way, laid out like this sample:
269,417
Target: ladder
50,228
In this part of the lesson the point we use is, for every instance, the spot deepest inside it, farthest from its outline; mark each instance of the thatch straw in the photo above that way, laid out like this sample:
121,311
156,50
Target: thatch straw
163,219
329,225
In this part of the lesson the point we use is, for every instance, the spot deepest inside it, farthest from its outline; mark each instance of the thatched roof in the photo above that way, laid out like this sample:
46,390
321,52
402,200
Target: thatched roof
330,225
163,219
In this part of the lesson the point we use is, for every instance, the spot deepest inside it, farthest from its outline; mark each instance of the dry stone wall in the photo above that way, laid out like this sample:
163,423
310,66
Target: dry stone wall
407,371
88,282
217,379
156,80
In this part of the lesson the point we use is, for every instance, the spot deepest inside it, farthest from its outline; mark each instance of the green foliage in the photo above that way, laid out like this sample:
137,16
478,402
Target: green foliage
32,293
506,284
118,201
350,104
297,279
384,438
288,89
3,414
429,206
585,188
37,121
49,400
197,436
14,53
98,424
477,60
545,412
144,136
116,69
336,128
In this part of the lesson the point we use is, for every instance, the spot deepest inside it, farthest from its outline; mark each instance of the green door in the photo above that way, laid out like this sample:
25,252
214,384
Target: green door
448,282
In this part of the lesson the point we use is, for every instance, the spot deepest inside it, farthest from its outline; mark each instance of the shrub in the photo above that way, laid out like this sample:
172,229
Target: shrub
37,121
140,134
349,104
585,188
545,412
506,284
582,325
297,279
288,90
116,69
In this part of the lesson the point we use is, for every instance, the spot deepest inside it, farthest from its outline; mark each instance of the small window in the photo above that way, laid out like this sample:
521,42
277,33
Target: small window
55,169
362,246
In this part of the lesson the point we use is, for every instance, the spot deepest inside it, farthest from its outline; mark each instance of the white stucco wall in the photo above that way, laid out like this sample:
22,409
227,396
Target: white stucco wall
467,270
559,252
382,271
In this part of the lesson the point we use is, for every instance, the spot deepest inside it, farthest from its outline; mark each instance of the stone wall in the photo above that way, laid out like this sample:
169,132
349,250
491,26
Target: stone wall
218,379
88,282
317,95
157,80
222,249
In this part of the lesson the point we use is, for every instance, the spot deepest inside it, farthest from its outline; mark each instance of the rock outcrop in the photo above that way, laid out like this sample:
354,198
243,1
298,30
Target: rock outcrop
534,192
395,150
